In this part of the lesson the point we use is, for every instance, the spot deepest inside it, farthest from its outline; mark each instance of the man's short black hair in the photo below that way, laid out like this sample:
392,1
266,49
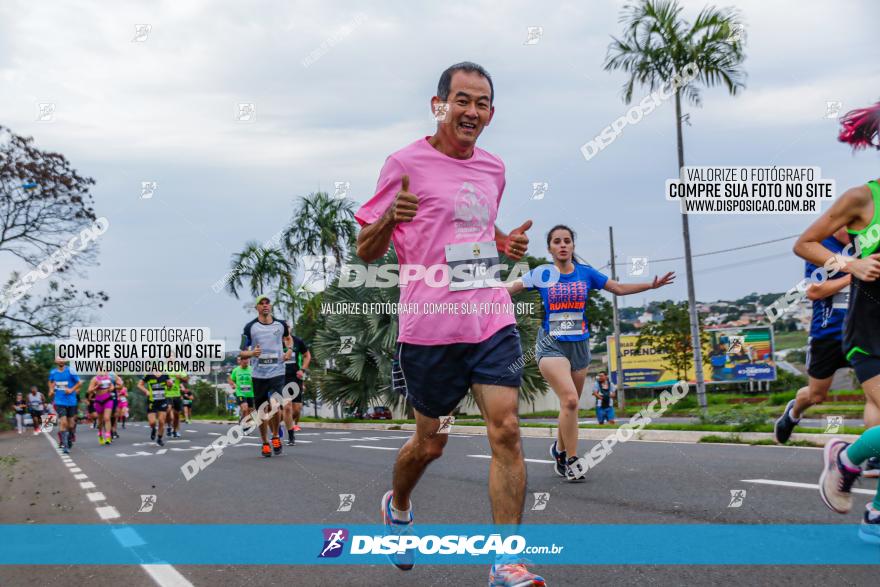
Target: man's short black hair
443,86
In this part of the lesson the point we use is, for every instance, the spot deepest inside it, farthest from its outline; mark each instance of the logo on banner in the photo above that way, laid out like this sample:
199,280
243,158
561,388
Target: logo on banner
334,540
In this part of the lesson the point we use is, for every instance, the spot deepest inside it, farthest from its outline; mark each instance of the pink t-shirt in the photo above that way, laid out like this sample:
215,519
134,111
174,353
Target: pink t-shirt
458,203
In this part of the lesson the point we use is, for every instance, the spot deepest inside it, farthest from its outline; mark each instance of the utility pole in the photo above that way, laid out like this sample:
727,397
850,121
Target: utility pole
689,272
621,400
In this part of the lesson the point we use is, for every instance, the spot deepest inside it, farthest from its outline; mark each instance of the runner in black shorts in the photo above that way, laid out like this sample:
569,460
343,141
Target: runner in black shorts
858,209
825,353
294,372
154,385
266,341
448,221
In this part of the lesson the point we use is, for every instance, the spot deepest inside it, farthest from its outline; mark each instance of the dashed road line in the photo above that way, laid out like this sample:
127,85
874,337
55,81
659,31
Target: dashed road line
526,460
163,575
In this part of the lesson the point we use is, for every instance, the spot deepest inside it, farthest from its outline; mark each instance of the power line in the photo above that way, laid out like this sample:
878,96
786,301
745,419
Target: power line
776,240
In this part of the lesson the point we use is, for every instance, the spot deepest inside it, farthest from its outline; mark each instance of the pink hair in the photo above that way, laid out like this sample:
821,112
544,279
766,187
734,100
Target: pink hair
861,128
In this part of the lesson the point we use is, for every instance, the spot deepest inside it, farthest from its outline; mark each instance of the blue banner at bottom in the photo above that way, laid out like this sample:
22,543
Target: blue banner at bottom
314,544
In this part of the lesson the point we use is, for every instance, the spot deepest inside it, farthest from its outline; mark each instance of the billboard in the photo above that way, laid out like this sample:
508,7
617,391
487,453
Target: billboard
734,355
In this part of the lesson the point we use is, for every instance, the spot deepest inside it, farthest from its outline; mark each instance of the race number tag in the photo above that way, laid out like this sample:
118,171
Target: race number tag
469,265
840,301
158,391
267,359
566,324
61,385
244,388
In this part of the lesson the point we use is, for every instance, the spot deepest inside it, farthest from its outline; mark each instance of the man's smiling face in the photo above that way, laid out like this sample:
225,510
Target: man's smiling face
470,108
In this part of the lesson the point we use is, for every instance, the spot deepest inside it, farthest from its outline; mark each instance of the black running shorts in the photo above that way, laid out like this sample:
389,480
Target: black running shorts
435,378
158,405
824,357
866,366
264,388
65,411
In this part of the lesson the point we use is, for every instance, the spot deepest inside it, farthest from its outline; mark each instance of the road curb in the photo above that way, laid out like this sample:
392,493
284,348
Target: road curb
680,436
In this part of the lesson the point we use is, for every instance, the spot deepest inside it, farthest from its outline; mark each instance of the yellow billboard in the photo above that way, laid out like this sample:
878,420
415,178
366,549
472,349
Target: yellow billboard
734,354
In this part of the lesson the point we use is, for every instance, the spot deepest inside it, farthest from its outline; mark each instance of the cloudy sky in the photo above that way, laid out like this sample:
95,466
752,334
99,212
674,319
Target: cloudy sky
160,105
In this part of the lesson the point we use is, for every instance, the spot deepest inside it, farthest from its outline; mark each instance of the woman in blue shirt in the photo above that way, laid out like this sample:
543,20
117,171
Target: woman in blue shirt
562,349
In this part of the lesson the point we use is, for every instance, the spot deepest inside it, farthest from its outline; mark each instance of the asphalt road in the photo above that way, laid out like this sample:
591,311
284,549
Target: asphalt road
641,483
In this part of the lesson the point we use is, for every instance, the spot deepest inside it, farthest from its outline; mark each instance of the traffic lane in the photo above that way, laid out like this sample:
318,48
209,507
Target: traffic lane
37,488
664,481
555,575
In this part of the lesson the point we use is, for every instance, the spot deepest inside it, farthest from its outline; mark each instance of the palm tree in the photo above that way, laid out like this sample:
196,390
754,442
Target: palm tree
364,376
260,269
658,46
322,226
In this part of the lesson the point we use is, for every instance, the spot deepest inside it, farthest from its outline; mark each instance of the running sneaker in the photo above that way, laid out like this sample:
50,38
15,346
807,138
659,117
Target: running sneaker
176,434
513,575
160,441
36,431
66,451
871,468
276,445
869,530
291,438
114,435
100,439
405,561
168,431
784,425
153,433
71,437
559,457
571,474
836,482
296,428
69,442
266,450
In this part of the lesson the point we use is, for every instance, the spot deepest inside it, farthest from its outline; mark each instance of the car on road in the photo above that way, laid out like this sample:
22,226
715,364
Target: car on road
378,413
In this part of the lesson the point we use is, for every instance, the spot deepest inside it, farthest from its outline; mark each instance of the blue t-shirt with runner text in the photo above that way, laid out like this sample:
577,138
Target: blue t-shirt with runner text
565,299
829,314
64,381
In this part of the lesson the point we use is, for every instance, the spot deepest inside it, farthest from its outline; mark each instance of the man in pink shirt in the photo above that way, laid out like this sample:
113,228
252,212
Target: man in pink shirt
437,200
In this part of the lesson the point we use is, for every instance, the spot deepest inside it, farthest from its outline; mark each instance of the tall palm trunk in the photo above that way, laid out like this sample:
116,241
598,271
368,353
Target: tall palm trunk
689,265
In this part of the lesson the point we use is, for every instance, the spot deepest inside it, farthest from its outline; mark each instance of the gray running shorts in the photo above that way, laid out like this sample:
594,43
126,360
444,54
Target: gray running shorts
577,353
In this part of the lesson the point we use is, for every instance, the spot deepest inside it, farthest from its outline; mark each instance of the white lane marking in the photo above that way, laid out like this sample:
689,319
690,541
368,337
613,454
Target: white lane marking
337,433
308,433
367,438
166,576
162,575
375,447
139,453
179,440
96,496
107,512
80,476
76,470
214,434
190,430
526,460
69,465
801,485
161,451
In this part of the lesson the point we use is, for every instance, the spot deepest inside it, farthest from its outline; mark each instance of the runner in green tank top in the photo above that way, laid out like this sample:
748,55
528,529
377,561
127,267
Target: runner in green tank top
241,381
858,209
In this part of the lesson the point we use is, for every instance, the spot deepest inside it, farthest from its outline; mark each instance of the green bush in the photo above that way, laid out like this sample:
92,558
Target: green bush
742,419
780,399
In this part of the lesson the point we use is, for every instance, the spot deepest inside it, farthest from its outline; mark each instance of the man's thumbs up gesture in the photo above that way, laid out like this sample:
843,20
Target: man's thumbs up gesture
405,205
518,241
